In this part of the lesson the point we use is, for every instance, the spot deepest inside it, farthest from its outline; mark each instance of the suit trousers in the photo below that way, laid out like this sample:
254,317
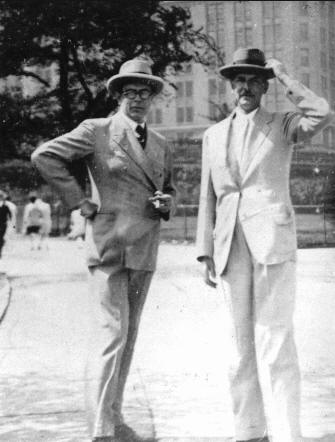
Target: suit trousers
117,298
264,375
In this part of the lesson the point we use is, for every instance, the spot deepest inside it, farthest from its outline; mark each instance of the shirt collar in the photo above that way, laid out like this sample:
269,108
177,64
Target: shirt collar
133,124
250,116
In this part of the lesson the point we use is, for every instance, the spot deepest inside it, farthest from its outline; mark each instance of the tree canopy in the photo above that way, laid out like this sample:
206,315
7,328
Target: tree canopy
82,43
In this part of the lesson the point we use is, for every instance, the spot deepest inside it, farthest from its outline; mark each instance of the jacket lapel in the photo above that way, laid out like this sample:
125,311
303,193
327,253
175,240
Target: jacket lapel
222,154
124,136
258,135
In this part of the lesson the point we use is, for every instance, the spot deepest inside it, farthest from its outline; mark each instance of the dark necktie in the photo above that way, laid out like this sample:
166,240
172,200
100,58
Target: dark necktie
142,132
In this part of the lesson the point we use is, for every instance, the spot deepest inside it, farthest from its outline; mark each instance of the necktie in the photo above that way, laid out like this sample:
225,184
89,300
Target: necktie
142,135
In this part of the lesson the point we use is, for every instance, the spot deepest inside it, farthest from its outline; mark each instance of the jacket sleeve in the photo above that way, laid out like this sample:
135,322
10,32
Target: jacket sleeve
207,207
313,112
53,160
168,185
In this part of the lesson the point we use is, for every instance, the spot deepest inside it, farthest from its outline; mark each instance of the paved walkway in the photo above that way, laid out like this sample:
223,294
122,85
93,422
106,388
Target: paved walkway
177,388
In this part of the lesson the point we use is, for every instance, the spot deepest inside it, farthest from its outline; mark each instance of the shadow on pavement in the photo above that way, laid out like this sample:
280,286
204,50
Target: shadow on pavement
327,438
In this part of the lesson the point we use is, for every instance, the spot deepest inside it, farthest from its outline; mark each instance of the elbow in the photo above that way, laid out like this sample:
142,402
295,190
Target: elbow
35,156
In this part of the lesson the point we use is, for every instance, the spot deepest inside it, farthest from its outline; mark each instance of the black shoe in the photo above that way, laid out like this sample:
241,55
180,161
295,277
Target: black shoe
124,433
106,439
262,439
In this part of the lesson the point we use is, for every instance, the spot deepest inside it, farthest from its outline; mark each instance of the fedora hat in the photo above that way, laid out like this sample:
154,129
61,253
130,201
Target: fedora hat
249,61
135,70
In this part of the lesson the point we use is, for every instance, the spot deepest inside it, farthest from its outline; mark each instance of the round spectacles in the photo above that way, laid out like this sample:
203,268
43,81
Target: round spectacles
144,94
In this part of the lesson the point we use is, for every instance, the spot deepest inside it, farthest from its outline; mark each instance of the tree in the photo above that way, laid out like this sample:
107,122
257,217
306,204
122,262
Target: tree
85,42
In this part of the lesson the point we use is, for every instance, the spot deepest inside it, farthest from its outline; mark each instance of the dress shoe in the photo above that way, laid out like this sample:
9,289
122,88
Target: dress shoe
125,433
258,439
106,439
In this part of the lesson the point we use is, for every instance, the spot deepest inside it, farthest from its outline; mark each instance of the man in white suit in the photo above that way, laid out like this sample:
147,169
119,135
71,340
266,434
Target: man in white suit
246,237
131,176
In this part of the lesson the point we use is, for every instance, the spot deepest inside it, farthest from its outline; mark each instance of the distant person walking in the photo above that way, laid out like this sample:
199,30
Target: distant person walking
46,222
11,227
5,217
32,222
77,227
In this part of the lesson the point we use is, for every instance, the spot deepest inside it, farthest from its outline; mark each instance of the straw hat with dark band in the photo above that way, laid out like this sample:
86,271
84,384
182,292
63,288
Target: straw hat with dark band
135,70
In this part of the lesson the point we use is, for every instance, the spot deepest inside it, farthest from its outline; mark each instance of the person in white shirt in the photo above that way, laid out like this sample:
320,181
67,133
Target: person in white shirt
11,228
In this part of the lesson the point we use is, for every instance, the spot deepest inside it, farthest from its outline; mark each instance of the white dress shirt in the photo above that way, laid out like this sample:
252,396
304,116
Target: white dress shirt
133,124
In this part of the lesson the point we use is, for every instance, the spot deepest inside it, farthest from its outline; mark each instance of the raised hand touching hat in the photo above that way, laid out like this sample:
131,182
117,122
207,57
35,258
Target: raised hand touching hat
277,67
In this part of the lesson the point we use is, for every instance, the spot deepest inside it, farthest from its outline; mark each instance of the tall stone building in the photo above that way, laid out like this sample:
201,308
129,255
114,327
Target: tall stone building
300,33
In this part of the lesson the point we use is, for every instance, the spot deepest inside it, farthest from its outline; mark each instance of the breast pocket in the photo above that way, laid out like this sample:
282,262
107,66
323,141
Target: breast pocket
117,162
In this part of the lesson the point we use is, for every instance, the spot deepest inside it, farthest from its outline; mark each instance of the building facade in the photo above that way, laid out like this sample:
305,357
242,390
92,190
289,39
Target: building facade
299,33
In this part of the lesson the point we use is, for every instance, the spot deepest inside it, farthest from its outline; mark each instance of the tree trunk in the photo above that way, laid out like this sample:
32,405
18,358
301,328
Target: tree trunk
64,95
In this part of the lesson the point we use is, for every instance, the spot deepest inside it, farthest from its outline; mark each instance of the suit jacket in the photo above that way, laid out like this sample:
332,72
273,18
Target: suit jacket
259,197
125,231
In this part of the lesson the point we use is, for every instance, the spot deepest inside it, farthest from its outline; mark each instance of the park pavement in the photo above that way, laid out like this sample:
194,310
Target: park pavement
177,389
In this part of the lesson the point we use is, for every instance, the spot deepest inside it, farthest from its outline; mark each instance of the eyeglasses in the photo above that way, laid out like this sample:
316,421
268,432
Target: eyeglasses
144,94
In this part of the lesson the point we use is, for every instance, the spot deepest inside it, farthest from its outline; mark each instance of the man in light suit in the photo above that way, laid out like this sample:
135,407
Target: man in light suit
130,170
246,237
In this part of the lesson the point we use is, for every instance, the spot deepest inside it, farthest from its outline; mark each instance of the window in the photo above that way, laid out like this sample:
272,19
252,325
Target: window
324,84
189,114
248,35
304,57
222,87
303,31
303,8
278,32
149,118
323,35
180,115
332,41
220,38
323,60
277,7
326,136
188,68
323,9
159,116
267,9
332,92
239,37
247,10
268,34
180,89
212,86
211,18
189,88
239,11
305,79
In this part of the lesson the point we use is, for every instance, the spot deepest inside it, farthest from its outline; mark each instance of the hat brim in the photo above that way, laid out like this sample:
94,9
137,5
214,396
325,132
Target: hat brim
231,71
115,83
